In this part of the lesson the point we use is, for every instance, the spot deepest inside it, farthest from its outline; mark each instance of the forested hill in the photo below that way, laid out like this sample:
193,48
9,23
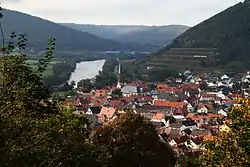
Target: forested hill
224,39
154,35
39,30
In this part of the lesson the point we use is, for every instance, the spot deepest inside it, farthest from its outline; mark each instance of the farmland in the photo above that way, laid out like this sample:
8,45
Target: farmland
49,71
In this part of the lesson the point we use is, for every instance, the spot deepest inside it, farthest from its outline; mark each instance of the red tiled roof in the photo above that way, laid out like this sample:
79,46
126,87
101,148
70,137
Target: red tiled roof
208,95
209,138
126,99
234,95
215,115
199,117
115,103
144,98
100,92
161,86
163,103
158,116
190,86
167,90
109,112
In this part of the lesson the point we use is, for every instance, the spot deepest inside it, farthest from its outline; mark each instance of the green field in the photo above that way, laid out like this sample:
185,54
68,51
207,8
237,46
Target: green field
49,71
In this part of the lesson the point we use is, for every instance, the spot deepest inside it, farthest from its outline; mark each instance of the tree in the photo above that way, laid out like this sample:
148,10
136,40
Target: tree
72,84
131,141
21,88
117,93
86,85
231,149
34,132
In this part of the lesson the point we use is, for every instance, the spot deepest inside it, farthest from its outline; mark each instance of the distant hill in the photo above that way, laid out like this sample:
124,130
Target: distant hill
39,30
152,35
221,41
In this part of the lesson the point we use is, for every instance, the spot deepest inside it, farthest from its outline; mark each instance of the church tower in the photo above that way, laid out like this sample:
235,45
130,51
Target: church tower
119,86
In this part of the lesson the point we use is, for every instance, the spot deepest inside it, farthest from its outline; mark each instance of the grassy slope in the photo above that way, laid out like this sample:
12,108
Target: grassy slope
228,32
49,70
39,30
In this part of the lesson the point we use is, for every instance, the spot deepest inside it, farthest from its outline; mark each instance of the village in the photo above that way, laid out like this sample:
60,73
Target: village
186,111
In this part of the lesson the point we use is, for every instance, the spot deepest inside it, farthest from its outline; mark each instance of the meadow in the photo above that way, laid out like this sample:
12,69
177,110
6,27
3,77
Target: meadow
49,71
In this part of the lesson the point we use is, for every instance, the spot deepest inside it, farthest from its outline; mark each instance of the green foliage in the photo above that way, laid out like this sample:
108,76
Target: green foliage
231,149
188,161
21,88
130,140
104,79
85,85
36,132
117,93
61,74
153,36
227,31
33,132
67,38
47,57
161,74
57,140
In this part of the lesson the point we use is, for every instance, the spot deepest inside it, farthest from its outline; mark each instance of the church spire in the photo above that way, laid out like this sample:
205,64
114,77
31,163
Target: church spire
119,75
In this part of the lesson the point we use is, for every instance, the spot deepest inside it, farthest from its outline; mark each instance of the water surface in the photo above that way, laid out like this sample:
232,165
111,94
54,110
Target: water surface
86,70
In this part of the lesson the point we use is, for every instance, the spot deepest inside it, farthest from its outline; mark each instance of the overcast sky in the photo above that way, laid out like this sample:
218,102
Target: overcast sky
128,12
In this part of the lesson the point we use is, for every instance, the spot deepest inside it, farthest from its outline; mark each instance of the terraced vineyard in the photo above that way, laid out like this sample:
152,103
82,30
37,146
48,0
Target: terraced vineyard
182,58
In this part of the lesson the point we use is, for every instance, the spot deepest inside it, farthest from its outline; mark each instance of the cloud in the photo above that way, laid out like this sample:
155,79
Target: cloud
151,12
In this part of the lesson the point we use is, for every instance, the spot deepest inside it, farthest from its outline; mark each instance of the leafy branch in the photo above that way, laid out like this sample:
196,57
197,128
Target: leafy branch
46,58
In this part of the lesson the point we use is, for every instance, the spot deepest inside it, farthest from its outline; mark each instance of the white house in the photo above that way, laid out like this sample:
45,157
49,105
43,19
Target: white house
172,143
224,77
202,109
191,144
190,108
222,112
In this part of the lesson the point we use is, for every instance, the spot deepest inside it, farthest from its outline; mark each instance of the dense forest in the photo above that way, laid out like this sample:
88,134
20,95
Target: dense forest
67,38
228,32
35,131
157,36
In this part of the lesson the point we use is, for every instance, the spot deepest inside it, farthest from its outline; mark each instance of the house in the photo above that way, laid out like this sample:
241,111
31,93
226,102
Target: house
192,144
178,108
115,104
143,100
200,133
154,94
101,93
201,108
208,96
178,80
161,86
172,143
188,124
246,78
166,96
160,117
222,112
224,77
93,110
168,90
187,73
190,108
128,91
106,114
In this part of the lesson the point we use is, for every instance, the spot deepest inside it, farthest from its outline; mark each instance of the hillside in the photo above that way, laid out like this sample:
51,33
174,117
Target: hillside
39,30
154,35
222,41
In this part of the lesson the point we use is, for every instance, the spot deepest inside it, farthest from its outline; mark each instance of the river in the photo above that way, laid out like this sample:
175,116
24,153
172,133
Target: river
86,70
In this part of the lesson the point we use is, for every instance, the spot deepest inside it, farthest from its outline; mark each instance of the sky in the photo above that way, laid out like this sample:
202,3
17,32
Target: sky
122,12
